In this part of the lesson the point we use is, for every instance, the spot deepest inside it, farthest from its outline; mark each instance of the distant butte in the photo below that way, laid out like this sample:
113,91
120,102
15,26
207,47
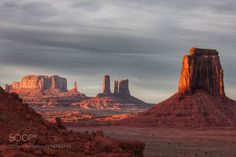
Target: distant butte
43,90
39,82
200,101
51,91
120,98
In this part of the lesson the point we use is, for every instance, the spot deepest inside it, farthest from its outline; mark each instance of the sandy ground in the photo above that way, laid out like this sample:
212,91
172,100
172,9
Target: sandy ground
176,143
215,142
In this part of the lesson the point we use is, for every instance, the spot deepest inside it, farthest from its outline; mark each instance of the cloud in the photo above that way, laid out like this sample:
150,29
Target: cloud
143,40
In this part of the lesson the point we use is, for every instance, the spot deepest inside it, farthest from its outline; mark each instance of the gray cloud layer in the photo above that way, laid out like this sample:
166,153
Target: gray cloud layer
143,40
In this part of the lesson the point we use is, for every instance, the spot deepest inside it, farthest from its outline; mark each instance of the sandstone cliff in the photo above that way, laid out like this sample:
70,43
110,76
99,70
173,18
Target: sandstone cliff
201,70
39,82
43,90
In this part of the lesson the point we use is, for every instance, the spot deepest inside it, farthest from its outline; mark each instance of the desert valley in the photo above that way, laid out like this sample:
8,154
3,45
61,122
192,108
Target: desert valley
198,120
117,78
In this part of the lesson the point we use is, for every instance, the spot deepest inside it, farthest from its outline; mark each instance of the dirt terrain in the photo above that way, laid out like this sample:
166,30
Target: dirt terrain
213,142
24,133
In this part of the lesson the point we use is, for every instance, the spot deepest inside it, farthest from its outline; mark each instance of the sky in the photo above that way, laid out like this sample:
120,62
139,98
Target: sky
142,40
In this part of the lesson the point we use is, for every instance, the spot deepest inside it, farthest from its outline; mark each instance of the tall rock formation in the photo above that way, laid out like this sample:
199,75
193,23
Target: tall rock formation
124,88
201,70
106,85
120,98
75,87
200,101
121,88
115,92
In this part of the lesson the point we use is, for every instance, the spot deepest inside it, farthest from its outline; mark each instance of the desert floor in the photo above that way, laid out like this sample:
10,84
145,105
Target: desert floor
163,142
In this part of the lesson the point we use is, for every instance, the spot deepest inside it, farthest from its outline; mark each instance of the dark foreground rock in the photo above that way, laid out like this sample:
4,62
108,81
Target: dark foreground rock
23,132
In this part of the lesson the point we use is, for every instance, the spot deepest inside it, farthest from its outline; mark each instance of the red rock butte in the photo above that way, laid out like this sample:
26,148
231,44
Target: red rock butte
200,102
119,98
43,90
201,70
106,85
39,82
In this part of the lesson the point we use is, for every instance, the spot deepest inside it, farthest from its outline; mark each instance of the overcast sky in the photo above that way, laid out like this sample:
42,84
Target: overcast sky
142,40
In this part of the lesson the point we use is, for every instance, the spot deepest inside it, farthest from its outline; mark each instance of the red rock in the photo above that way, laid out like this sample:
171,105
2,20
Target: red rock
59,123
75,88
124,88
3,148
99,133
49,151
116,100
38,82
106,85
10,153
201,70
38,152
199,110
203,102
27,147
39,90
115,92
51,135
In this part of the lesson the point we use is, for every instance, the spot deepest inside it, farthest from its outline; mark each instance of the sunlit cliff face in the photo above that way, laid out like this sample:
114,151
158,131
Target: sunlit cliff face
201,71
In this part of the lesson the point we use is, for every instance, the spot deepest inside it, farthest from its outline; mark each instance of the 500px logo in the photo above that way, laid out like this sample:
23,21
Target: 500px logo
22,137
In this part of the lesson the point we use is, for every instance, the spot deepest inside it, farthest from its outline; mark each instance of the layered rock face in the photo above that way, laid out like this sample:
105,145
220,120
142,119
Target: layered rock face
106,85
201,70
124,88
38,82
43,90
203,102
